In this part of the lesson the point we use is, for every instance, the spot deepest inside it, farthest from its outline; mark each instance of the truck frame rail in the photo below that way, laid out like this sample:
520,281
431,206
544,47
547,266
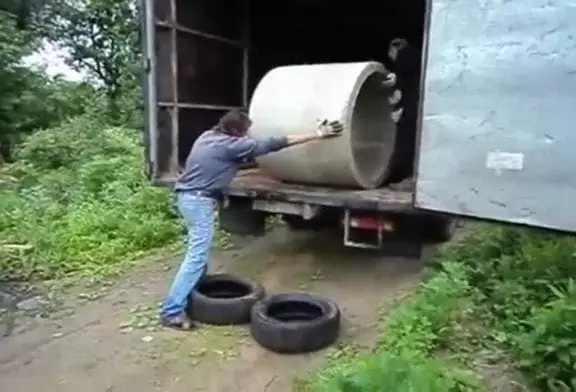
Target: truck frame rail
253,183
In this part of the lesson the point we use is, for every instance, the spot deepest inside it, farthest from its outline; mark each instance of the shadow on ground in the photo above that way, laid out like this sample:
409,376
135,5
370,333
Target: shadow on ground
113,343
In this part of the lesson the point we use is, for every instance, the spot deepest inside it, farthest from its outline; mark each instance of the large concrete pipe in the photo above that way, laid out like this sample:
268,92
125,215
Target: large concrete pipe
291,99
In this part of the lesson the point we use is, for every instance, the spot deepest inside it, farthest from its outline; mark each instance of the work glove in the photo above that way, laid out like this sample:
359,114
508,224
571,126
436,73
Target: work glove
397,115
395,97
390,80
328,129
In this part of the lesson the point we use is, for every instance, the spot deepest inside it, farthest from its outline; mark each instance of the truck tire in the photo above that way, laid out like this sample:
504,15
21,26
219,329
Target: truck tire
293,323
224,299
440,229
297,223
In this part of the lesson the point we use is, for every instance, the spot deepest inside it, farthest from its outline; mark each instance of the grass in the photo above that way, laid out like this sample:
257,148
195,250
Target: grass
79,204
502,298
403,359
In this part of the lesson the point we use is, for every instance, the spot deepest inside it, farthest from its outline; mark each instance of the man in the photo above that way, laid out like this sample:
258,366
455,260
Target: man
406,62
210,167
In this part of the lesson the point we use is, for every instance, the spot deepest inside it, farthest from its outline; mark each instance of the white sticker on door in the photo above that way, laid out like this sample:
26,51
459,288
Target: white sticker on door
500,161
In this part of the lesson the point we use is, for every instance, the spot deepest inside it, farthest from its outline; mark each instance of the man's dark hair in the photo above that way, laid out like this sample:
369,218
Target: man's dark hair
235,123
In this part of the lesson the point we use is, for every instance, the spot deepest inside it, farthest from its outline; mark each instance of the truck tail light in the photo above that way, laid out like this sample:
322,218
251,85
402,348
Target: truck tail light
371,223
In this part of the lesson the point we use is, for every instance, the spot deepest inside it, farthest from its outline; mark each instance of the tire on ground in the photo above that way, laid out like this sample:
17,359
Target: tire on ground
295,323
224,299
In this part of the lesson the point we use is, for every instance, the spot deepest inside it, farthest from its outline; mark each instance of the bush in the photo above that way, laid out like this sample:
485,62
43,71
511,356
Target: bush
547,349
82,203
402,372
523,284
403,360
524,278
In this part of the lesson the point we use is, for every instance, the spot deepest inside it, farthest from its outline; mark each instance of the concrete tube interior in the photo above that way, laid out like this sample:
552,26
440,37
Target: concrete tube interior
372,133
291,99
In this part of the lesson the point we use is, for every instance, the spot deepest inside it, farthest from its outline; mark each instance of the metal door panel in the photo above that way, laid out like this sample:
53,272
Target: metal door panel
196,60
498,117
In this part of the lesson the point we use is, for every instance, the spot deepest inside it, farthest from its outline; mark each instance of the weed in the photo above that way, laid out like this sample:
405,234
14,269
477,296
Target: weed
403,359
522,282
499,288
81,205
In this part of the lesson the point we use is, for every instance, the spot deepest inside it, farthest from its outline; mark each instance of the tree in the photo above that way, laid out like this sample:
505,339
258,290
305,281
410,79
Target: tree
29,99
23,10
101,37
14,78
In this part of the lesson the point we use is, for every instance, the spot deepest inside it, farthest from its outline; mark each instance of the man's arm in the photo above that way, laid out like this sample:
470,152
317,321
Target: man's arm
302,138
244,148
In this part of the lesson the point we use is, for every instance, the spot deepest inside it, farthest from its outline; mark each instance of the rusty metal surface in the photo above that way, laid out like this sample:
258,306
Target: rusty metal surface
498,114
209,71
255,183
196,59
149,86
216,17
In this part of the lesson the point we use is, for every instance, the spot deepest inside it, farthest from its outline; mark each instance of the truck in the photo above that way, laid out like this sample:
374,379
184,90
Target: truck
497,93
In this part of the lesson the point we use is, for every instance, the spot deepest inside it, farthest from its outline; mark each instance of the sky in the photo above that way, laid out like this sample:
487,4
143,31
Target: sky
53,59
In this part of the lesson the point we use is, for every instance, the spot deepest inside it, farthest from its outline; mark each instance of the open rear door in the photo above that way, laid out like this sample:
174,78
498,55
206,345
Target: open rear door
196,61
498,117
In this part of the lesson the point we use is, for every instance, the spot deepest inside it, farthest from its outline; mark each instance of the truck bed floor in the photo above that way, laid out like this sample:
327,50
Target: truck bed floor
255,184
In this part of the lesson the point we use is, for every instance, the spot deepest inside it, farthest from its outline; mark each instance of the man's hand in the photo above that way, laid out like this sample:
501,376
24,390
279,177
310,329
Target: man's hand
324,129
328,129
390,80
397,115
395,97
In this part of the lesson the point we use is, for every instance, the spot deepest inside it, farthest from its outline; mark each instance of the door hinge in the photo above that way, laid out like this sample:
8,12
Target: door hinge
147,65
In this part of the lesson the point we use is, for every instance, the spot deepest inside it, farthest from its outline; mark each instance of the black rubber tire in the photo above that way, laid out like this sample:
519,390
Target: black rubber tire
315,325
224,299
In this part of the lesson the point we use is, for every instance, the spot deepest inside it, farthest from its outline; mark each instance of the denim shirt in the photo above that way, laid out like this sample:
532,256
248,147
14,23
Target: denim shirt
215,158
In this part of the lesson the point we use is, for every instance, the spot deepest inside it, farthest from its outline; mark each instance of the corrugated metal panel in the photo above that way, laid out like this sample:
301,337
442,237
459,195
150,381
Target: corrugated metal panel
499,111
196,60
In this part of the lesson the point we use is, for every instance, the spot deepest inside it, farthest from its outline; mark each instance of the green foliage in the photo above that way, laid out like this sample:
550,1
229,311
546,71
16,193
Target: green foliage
402,373
75,143
548,345
425,322
521,286
30,100
82,203
524,279
403,360
101,37
14,78
24,11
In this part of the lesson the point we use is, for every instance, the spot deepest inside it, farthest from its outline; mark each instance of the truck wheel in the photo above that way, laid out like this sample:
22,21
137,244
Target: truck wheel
295,323
297,223
223,299
440,229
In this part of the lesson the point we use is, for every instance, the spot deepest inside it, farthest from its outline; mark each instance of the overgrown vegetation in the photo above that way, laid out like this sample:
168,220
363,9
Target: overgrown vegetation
499,288
403,359
80,202
73,196
524,281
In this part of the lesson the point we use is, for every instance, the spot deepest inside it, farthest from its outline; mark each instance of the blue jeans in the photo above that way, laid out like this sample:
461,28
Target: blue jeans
198,214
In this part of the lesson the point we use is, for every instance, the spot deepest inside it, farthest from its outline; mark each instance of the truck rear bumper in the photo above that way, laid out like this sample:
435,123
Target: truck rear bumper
254,184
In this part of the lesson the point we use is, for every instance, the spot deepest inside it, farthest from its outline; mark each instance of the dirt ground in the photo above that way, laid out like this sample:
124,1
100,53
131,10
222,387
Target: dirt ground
113,344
